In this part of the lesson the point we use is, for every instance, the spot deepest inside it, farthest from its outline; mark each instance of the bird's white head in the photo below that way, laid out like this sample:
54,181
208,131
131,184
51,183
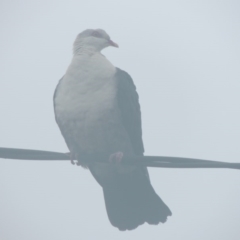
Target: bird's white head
93,40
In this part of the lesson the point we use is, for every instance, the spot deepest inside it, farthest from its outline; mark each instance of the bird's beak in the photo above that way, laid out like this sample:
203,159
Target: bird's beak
111,43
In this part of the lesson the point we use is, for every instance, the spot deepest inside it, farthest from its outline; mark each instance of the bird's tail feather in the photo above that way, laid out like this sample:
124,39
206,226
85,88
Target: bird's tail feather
131,200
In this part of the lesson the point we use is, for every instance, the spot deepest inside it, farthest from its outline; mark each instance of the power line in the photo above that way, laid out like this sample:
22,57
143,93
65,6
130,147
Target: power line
148,161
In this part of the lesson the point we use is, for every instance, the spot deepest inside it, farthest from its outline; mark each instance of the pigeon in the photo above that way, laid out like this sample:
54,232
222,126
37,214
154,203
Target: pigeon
97,109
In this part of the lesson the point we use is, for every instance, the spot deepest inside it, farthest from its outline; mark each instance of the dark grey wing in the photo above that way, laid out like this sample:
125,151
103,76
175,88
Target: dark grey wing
130,198
130,109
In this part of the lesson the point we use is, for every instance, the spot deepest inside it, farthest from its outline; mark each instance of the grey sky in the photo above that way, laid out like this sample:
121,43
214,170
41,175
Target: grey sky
184,57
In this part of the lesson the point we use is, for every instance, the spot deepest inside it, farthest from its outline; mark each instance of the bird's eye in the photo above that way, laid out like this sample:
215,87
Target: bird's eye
96,34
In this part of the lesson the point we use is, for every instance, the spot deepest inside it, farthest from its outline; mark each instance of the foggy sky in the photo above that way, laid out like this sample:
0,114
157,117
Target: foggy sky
184,58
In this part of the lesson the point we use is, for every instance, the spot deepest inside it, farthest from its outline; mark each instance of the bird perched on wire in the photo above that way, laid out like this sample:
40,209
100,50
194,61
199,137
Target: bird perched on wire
97,110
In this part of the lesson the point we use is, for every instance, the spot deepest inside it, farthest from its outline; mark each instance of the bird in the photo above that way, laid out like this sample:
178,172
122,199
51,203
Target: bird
97,109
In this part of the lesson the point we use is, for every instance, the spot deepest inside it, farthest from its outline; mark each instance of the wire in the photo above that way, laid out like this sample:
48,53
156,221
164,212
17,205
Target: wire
148,161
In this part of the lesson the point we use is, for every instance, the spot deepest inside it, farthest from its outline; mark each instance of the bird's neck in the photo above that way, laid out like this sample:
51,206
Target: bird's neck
83,49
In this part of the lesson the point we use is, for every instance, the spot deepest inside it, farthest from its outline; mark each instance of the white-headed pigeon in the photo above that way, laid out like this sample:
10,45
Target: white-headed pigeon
97,110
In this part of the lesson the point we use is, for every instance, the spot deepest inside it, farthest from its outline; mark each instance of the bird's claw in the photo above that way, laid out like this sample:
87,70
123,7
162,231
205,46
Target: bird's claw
72,159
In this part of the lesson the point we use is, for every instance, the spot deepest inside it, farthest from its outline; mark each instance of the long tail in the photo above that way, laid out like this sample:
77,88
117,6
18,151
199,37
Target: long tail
131,200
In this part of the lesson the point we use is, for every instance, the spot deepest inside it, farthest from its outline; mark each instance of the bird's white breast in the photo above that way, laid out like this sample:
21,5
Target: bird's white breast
85,105
87,89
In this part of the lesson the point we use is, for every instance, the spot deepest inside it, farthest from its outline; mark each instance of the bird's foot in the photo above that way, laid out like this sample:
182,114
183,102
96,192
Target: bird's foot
116,157
72,158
